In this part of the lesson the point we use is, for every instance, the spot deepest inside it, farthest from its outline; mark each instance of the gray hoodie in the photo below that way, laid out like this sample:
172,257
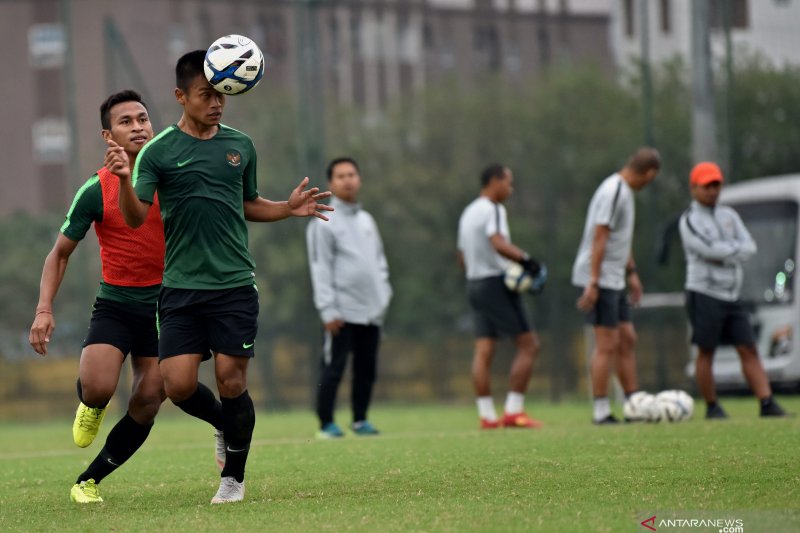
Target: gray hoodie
716,243
349,272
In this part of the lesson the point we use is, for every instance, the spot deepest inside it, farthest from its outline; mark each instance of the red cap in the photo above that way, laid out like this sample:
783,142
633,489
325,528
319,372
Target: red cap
705,173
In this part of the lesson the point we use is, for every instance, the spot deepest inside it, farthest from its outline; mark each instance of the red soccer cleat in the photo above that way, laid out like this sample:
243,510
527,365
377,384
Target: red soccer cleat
520,420
490,424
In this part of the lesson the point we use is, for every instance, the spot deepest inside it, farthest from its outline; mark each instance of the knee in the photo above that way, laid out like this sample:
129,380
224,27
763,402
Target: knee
231,386
748,353
627,340
332,373
178,390
144,407
96,394
535,346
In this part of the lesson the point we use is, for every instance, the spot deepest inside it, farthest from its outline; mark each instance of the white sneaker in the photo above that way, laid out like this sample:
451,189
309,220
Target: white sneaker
219,452
230,490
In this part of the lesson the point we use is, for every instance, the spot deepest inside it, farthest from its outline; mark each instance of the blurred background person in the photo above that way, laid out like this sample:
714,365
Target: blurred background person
484,248
350,277
604,267
716,243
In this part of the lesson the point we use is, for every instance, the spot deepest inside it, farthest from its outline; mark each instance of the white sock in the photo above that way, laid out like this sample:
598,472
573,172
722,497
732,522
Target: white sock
515,403
486,408
602,408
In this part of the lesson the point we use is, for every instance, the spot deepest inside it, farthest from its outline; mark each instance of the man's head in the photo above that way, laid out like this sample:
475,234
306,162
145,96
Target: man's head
201,103
497,182
642,167
125,121
344,178
705,183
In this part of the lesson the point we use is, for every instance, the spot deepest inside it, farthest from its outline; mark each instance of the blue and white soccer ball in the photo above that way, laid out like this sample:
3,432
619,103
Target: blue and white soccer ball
675,405
517,279
234,64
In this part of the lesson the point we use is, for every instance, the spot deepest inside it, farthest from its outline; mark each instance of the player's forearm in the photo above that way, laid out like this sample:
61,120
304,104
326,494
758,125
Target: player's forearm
263,210
598,252
507,249
55,266
134,211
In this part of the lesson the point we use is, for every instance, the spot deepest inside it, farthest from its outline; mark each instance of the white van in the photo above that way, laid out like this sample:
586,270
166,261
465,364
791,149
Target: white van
769,209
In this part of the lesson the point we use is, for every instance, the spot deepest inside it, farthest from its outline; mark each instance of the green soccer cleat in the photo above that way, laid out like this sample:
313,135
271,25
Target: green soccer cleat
87,424
85,492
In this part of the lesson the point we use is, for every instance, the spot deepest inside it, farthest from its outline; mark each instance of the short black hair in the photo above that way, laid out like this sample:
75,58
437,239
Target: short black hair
189,66
644,159
128,95
338,161
495,170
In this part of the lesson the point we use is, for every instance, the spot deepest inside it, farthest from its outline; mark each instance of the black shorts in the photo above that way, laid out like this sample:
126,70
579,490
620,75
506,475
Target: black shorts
717,322
128,326
610,309
196,321
497,311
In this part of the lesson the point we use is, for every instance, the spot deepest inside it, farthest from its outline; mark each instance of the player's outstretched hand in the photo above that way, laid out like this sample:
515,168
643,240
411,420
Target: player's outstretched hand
42,328
305,203
116,160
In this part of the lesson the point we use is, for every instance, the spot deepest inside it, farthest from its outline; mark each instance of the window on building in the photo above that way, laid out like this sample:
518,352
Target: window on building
666,14
486,43
737,10
627,17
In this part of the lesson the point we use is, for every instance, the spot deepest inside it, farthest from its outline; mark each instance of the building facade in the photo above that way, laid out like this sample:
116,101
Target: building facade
766,27
68,55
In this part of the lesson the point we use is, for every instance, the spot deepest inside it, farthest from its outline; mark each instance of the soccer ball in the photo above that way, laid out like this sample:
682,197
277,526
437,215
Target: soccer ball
675,405
517,279
233,64
641,407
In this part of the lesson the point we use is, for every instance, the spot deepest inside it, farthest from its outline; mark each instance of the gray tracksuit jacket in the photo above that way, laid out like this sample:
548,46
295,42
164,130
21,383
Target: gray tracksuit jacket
349,272
716,243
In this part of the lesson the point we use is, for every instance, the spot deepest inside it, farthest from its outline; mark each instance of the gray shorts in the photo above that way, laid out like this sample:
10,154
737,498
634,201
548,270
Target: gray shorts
497,312
610,309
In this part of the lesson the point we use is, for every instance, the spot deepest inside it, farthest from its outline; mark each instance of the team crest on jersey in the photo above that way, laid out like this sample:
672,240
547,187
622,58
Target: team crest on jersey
234,158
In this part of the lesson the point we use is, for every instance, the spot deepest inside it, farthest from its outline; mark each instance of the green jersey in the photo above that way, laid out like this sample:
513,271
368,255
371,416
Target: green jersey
202,186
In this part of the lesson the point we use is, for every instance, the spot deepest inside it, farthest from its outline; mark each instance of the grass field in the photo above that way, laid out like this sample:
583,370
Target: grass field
429,471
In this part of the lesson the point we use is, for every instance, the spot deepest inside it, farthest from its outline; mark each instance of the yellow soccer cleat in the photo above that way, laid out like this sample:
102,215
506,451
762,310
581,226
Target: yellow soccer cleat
87,424
85,492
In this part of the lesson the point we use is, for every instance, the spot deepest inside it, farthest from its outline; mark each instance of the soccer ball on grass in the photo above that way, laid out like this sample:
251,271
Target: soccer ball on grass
641,407
675,405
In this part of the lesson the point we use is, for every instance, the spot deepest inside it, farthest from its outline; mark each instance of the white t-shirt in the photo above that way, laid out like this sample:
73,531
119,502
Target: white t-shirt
612,205
481,219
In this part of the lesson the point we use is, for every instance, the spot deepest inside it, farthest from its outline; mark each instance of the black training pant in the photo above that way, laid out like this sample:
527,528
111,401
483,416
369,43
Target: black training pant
363,342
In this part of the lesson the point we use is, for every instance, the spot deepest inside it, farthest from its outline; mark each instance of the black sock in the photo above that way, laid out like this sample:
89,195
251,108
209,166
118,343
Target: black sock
712,404
239,419
80,397
203,404
766,402
122,442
